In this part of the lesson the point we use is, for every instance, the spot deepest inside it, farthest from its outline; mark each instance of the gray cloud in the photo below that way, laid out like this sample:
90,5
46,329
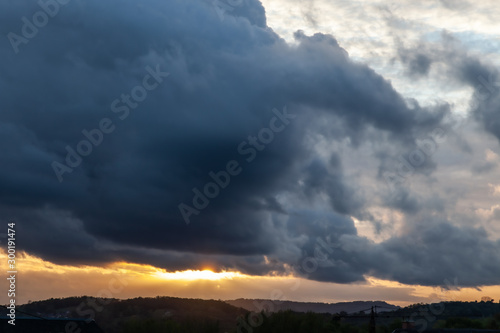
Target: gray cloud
418,64
225,78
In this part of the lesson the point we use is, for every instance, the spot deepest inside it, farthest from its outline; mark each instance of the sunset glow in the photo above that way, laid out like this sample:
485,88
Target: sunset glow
137,280
191,275
312,151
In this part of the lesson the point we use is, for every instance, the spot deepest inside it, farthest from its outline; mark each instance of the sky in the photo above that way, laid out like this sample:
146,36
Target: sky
303,150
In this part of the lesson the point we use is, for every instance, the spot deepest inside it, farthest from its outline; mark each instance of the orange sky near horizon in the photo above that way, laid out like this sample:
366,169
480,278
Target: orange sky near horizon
38,279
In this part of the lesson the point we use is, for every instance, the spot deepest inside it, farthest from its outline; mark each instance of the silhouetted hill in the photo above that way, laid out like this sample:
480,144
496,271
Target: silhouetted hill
453,309
157,314
275,306
180,315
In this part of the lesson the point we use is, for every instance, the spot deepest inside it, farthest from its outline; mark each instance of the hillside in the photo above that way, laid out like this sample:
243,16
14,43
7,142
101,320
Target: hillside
136,315
274,306
180,315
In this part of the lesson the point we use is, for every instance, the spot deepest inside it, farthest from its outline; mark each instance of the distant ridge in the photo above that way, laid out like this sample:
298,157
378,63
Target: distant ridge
274,306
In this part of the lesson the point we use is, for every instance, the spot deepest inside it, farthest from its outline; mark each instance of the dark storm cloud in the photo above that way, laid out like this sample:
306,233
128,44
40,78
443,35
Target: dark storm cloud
225,76
403,200
431,251
321,178
435,251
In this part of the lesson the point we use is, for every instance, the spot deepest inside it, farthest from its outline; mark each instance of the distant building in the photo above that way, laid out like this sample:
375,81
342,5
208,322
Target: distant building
36,325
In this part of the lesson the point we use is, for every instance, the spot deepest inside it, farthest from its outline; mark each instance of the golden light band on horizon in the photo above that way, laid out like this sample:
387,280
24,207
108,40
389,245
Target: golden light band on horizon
42,279
191,275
